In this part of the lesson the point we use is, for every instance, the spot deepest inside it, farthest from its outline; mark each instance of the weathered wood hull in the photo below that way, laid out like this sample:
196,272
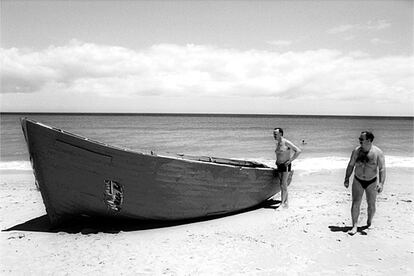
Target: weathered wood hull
77,176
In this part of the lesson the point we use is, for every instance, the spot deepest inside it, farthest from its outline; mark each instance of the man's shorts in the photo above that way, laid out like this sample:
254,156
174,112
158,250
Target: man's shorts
284,168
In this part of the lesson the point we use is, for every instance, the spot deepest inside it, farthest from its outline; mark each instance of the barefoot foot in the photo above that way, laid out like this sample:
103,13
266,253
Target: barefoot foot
353,231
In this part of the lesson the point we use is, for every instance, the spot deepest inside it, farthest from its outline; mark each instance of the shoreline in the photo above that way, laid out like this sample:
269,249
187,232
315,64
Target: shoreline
308,238
308,165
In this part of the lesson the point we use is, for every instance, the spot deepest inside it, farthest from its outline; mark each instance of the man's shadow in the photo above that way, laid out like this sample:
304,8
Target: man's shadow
93,225
346,229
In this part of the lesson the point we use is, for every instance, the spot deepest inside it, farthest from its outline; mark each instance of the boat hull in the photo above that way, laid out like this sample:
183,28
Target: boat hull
78,176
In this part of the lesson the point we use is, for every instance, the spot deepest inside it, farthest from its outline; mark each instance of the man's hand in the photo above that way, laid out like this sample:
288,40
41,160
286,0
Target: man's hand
380,187
346,183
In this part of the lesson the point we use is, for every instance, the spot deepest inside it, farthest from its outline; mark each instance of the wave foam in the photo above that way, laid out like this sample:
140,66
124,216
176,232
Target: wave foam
312,164
317,164
16,165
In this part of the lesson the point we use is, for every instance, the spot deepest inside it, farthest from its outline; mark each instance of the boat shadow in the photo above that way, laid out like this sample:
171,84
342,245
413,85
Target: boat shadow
94,225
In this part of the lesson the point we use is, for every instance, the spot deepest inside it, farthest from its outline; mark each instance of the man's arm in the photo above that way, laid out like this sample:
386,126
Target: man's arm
381,169
350,168
296,150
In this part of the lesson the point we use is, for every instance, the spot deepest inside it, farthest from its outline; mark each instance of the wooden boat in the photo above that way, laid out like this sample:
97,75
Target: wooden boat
78,176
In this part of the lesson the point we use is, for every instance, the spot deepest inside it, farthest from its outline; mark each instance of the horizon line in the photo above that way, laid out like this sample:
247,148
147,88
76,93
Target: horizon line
204,114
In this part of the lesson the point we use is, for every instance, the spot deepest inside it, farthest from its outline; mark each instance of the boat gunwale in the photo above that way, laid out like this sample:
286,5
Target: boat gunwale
180,157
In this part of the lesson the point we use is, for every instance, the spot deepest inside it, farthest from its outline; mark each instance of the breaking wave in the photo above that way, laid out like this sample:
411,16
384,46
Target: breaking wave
312,164
318,164
15,165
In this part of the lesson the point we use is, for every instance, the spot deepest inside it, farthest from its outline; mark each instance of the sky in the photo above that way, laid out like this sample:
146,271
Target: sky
232,57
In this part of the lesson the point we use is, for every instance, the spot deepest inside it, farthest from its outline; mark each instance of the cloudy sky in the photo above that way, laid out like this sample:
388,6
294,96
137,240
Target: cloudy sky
261,57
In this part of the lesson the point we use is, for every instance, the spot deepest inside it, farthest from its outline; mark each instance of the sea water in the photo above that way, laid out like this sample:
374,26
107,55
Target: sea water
328,140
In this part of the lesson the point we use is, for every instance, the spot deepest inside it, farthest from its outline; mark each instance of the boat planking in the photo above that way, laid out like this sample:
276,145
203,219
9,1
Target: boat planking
82,177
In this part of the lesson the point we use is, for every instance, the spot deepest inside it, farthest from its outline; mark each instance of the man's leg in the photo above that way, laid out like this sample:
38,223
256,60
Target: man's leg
357,193
284,190
371,193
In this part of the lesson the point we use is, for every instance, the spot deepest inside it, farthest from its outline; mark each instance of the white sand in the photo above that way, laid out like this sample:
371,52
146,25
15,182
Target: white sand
308,238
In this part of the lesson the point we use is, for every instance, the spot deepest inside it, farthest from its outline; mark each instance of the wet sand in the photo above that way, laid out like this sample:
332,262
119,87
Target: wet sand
309,238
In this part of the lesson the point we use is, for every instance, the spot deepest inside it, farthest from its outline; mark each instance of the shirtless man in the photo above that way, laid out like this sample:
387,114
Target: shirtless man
369,162
284,159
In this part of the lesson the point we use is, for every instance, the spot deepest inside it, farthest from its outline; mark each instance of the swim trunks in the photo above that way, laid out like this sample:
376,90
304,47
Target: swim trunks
366,183
283,168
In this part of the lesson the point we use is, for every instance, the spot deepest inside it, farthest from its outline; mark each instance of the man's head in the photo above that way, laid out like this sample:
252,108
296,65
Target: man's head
277,132
366,137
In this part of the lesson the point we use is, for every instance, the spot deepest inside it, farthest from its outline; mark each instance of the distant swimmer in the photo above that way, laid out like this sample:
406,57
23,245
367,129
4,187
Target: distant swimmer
284,159
369,176
303,142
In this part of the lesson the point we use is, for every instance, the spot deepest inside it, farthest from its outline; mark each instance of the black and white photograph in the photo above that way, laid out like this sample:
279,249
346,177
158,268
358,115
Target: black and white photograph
206,137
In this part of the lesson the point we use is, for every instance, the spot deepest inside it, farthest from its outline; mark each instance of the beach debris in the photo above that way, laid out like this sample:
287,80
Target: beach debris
19,236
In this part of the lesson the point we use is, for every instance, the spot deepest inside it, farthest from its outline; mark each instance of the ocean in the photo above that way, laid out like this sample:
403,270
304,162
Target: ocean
329,140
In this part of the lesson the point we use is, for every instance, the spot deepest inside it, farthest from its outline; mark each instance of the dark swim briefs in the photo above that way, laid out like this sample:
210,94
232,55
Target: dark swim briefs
283,168
366,183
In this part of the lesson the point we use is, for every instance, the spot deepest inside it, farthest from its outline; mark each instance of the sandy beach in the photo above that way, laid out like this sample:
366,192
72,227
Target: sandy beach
309,238
145,109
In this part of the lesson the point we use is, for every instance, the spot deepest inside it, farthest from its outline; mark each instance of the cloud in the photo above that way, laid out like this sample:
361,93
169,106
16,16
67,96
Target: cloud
378,41
196,70
280,43
374,25
342,29
378,25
